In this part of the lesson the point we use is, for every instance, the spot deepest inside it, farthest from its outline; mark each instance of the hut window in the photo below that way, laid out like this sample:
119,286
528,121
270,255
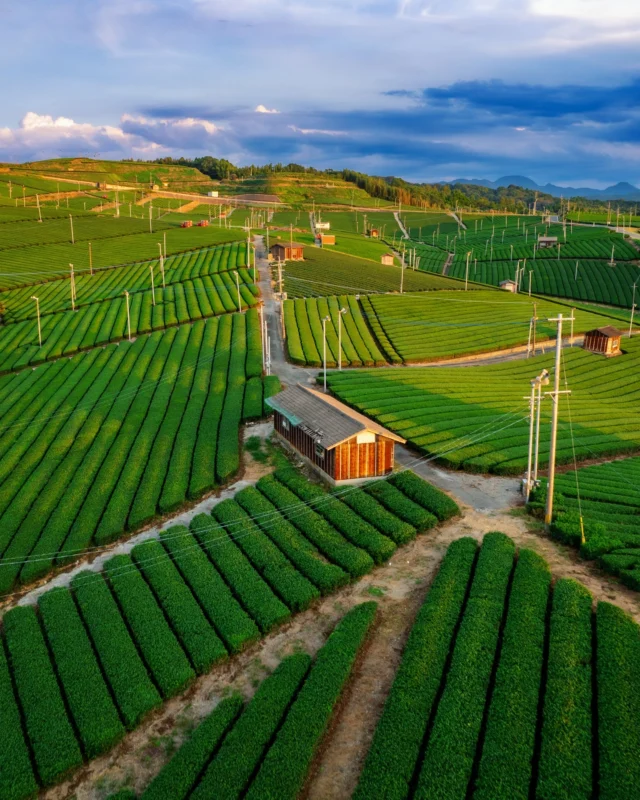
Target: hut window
285,425
319,451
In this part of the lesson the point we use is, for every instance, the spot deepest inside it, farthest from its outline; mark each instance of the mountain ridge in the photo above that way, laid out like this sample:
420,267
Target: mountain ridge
619,191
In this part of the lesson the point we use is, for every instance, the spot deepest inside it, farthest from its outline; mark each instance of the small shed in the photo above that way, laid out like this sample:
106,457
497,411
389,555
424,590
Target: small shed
323,226
547,241
342,445
374,233
101,185
327,238
387,259
213,194
287,251
605,341
509,286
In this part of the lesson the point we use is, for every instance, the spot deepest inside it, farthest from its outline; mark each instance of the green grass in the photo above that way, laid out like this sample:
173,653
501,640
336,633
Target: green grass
475,417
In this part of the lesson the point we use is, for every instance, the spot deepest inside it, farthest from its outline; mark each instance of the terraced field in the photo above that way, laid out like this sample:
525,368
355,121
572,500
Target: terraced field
89,662
324,272
510,688
608,498
99,444
475,418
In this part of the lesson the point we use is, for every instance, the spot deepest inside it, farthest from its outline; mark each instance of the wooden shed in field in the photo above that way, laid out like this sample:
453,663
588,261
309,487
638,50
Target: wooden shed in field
287,251
387,259
509,286
547,241
605,341
342,445
327,239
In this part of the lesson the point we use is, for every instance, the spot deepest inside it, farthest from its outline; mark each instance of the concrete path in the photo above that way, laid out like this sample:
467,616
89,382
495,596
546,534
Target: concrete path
482,493
288,373
405,235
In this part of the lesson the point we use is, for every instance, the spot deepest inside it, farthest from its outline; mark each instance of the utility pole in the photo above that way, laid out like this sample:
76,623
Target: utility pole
72,283
633,306
39,209
90,260
238,288
402,275
555,396
37,299
161,263
340,313
466,274
153,288
71,224
150,218
126,294
324,350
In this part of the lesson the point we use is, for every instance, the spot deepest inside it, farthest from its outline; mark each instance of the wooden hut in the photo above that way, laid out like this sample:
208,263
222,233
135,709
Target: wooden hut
374,233
509,286
387,259
605,341
342,445
287,251
327,239
547,241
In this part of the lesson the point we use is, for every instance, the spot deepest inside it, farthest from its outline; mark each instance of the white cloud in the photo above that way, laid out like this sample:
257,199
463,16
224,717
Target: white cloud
316,131
260,109
601,12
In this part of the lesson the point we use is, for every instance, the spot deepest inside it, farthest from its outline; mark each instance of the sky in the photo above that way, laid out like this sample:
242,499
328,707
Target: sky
423,89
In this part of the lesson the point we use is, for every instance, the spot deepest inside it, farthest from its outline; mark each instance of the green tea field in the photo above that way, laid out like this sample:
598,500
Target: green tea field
110,648
425,326
510,686
100,443
475,418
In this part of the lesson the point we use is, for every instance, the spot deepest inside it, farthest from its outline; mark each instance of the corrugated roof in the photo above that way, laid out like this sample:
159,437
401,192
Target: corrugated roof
607,330
329,421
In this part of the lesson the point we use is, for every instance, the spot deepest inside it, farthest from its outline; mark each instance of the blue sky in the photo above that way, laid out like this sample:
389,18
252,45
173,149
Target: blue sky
424,89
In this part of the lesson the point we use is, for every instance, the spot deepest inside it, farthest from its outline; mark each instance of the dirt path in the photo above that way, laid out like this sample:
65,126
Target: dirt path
184,209
405,235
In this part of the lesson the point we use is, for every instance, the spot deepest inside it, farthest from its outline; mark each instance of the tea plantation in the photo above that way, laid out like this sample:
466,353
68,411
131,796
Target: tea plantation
425,326
475,418
607,496
89,662
510,687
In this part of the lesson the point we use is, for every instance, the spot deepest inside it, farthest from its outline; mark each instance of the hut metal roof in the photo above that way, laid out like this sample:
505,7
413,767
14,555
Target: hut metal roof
608,330
283,243
326,419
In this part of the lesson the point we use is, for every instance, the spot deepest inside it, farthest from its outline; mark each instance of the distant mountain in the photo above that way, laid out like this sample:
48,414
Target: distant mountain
621,191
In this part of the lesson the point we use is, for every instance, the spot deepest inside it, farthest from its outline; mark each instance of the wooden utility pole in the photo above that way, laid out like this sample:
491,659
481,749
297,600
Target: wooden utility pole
555,396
